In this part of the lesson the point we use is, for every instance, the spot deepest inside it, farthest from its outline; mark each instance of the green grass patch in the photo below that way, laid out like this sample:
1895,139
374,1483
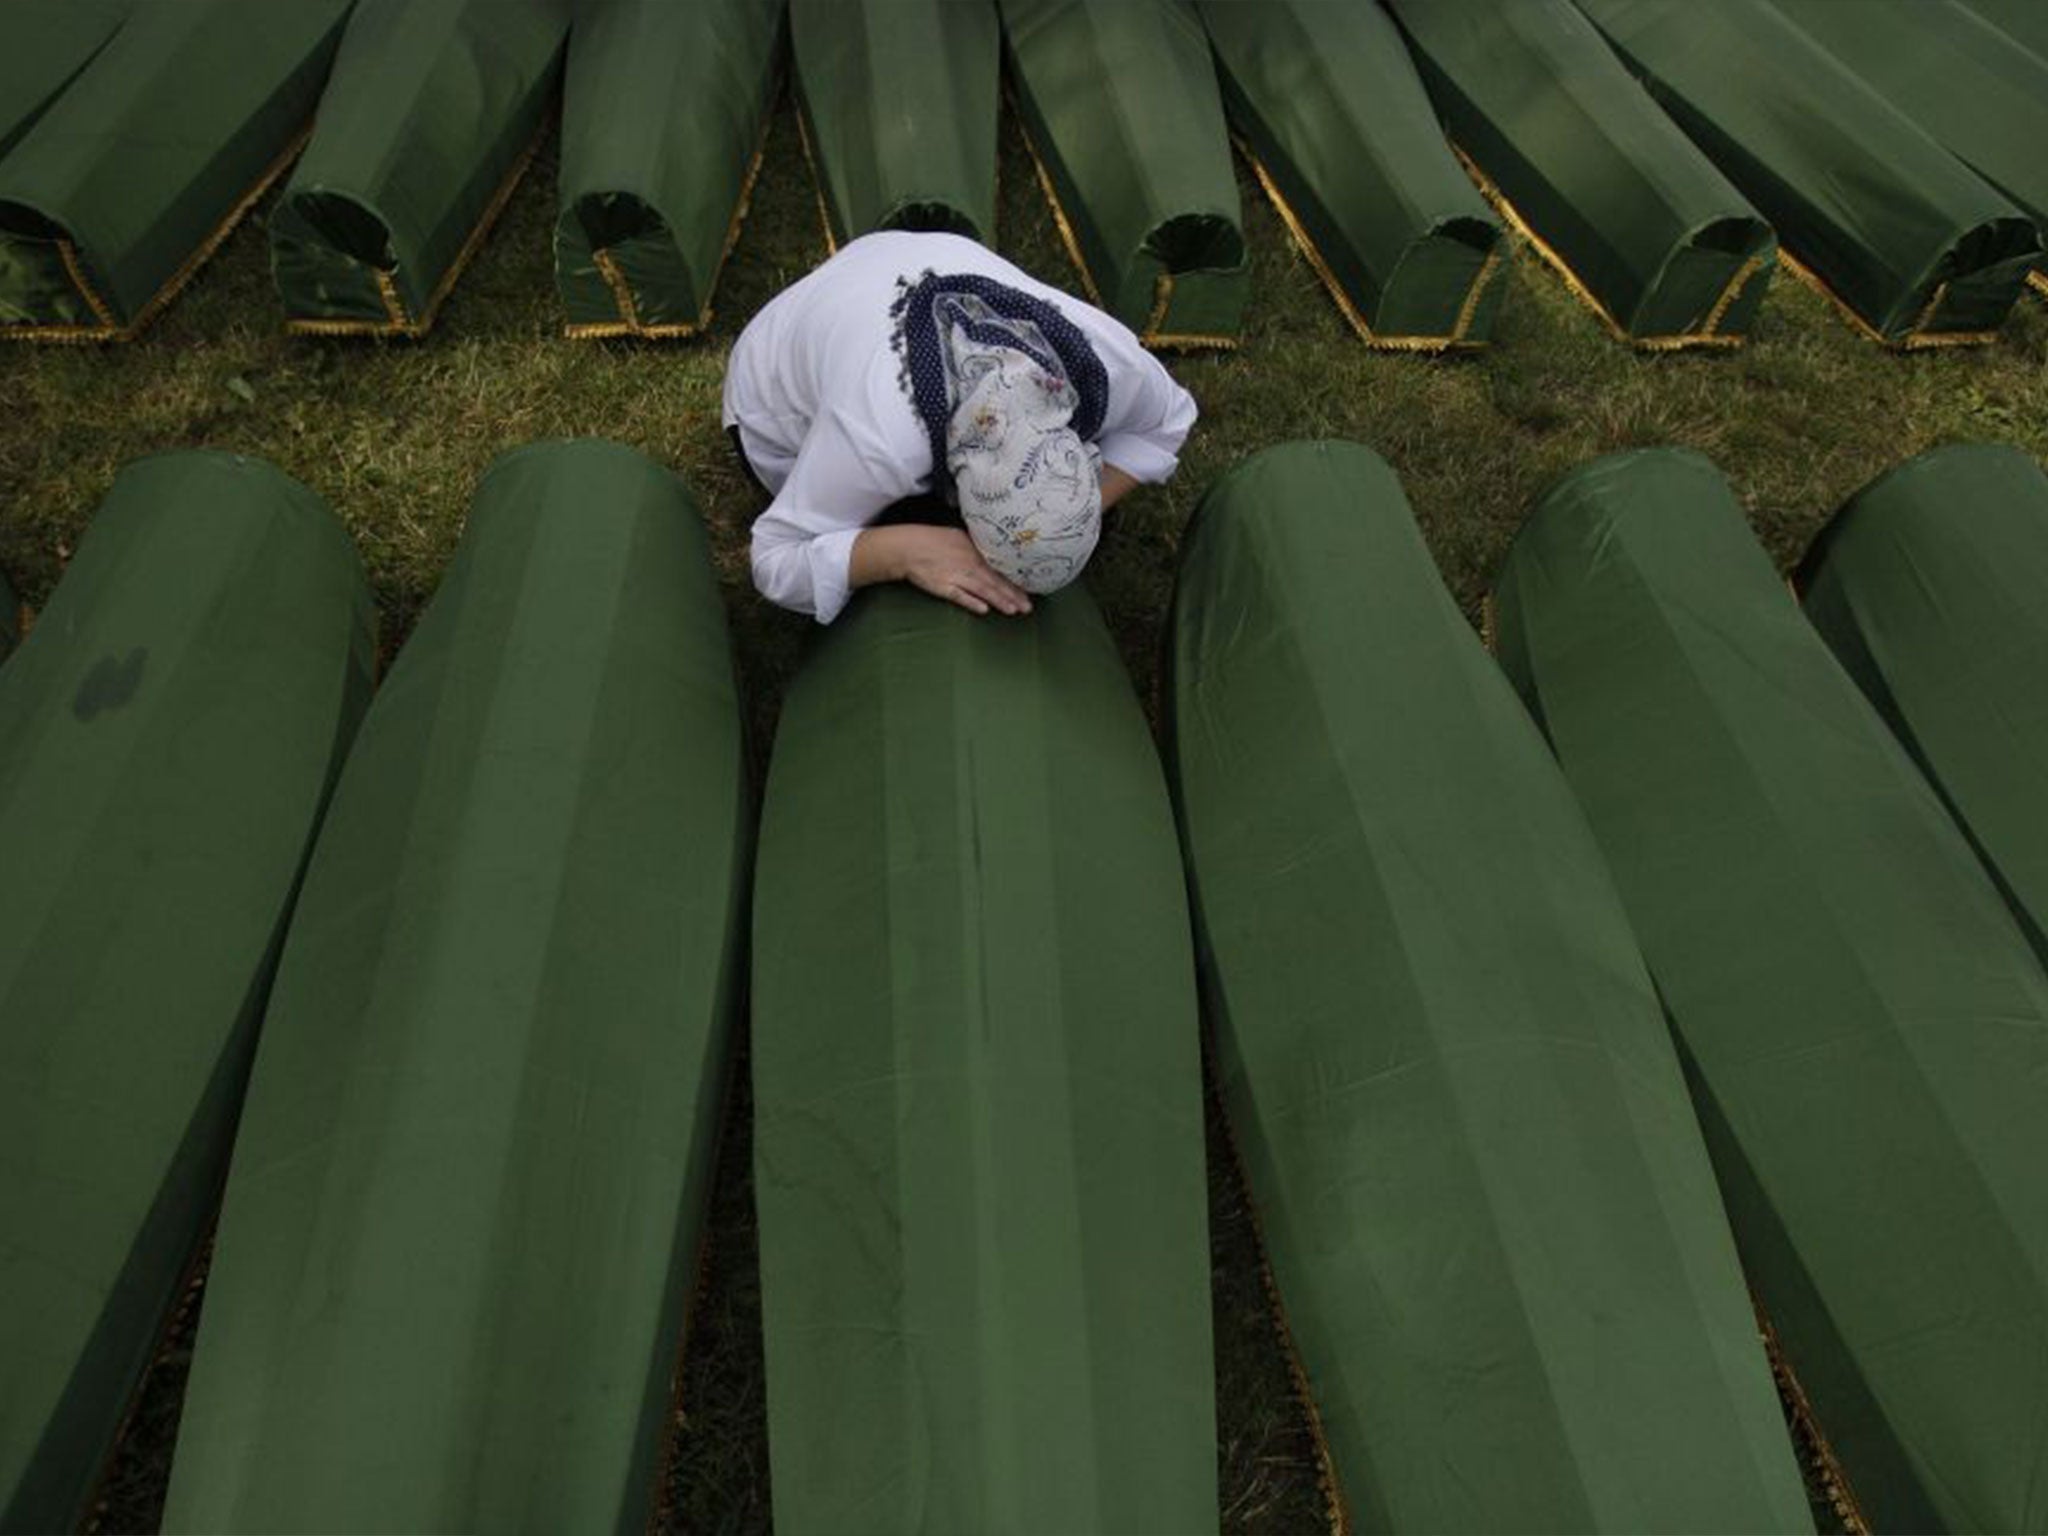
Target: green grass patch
395,435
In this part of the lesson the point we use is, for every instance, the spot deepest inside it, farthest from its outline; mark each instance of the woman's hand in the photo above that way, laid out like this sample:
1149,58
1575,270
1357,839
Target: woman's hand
941,561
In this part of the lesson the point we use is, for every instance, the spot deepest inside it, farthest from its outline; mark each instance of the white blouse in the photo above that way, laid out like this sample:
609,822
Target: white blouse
815,388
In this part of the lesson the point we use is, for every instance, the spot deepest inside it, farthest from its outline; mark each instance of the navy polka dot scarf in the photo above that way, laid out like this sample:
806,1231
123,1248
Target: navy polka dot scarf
990,314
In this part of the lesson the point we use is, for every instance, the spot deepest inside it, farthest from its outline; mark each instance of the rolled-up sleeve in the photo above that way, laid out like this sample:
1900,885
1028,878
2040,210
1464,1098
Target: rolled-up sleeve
803,544
1149,418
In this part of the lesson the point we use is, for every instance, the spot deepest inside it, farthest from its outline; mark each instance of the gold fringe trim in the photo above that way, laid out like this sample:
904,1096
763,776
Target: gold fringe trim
1916,340
1458,339
630,324
1807,1435
1334,1510
1153,336
803,134
1489,625
67,252
1162,290
2038,281
111,330
1708,335
398,323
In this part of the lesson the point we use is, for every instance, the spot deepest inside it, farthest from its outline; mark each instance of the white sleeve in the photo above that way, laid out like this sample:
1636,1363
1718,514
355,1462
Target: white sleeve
803,543
1149,415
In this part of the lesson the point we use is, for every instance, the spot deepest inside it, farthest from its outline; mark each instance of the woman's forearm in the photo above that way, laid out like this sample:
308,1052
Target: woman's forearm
1115,486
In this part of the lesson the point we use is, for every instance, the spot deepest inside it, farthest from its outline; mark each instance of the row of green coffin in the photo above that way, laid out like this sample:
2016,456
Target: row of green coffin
468,1176
1887,141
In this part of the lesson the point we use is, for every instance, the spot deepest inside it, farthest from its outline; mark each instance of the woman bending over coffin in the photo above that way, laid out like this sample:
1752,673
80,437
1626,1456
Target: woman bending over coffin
913,363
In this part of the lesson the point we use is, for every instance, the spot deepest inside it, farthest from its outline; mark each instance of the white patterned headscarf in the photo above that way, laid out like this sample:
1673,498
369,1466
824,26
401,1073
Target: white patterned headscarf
1029,487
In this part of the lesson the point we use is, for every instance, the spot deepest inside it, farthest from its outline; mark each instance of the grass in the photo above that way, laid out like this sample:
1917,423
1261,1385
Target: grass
396,435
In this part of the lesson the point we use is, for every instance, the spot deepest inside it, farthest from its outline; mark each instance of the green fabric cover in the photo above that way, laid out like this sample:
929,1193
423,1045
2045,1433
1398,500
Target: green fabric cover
1928,586
167,739
43,46
143,163
1480,1185
978,1141
662,122
431,111
1953,73
1127,123
898,103
1648,229
2024,21
1865,1030
1905,235
459,1230
1327,102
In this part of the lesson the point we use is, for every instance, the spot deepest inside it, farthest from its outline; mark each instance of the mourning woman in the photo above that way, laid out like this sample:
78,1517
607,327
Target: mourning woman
916,365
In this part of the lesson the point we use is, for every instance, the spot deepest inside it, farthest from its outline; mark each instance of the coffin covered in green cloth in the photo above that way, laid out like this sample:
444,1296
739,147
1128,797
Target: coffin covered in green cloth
424,129
1916,247
1956,75
1864,1028
43,46
2024,21
1126,125
1640,223
664,114
168,736
1928,587
1326,104
139,170
1482,1192
897,102
459,1229
978,1144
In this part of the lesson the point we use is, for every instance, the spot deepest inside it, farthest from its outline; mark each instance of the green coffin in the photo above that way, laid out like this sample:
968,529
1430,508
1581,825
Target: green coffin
1637,220
43,46
167,739
1326,104
897,102
1954,74
664,115
1864,1028
2024,21
424,130
1126,125
1480,1185
460,1227
1928,587
136,173
1916,248
978,1145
